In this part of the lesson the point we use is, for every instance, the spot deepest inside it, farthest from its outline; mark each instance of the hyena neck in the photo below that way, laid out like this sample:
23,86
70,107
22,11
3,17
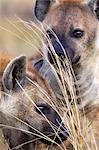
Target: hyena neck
88,82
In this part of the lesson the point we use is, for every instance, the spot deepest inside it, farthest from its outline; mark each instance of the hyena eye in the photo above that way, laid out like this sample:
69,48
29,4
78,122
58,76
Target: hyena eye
42,109
50,34
77,33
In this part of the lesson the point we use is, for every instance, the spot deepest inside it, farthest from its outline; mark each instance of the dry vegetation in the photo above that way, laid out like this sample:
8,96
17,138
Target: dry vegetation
80,128
18,36
14,36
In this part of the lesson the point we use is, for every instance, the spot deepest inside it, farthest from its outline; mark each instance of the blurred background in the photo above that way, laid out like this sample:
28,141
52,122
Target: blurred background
15,36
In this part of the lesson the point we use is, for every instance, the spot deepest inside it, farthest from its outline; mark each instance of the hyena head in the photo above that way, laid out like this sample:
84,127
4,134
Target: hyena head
75,25
71,26
27,104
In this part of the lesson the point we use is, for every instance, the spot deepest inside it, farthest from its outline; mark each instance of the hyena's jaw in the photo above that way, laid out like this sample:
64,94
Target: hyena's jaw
52,137
56,136
61,137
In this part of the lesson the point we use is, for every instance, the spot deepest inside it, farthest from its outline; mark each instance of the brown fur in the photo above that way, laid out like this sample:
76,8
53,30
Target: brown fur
64,18
22,106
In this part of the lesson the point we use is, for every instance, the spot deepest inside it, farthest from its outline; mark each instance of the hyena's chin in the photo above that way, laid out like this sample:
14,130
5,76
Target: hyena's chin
57,137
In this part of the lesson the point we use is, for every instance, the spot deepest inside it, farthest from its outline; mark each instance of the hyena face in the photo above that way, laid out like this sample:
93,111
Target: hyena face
26,107
72,29
75,25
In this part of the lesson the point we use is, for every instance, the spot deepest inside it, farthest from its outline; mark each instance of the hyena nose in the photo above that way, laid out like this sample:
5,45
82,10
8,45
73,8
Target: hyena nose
57,134
57,131
62,134
60,51
64,52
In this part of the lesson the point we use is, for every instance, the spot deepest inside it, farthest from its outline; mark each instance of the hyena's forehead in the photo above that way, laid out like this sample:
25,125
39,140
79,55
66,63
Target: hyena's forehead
33,94
65,15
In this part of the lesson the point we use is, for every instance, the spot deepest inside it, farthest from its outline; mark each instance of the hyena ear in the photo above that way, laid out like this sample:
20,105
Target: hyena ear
94,5
97,9
42,8
15,71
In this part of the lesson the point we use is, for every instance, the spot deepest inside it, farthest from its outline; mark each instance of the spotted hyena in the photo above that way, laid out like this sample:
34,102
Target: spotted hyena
27,108
72,27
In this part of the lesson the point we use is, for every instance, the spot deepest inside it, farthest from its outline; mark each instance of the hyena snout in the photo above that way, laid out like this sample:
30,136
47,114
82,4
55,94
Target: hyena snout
64,50
54,128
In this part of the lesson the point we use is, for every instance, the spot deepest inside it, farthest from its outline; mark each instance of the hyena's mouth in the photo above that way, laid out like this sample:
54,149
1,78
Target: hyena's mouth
57,137
52,136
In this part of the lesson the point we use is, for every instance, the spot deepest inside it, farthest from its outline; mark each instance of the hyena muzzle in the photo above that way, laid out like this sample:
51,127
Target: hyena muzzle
27,108
71,26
